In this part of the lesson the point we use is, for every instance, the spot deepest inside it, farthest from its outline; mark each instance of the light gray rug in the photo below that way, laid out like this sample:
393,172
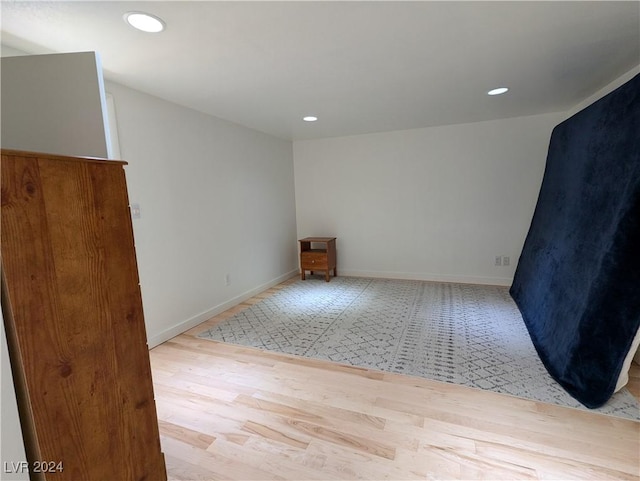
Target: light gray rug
465,334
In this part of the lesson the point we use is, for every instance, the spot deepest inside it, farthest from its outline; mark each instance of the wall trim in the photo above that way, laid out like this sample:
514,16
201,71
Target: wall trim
214,311
414,276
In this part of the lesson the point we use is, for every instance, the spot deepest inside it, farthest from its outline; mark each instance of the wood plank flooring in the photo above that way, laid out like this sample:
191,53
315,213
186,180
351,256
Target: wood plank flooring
235,413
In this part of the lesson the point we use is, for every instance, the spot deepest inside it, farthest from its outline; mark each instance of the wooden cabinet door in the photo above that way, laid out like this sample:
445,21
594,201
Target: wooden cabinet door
75,326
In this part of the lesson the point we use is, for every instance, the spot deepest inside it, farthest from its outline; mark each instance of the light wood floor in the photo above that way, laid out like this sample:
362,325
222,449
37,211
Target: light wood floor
234,413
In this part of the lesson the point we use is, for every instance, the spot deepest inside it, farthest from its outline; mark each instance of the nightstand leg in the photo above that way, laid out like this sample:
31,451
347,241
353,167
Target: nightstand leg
326,275
302,274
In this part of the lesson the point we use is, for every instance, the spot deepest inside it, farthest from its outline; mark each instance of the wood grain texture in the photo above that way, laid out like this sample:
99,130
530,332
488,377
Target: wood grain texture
231,412
76,319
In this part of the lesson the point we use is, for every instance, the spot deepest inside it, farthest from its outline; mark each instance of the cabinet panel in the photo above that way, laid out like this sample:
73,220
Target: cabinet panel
75,324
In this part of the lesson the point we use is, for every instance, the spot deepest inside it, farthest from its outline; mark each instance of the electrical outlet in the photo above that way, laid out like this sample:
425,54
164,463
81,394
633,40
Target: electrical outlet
498,260
135,211
506,261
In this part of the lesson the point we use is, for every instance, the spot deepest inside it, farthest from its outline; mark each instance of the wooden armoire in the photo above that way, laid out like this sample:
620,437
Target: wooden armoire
73,315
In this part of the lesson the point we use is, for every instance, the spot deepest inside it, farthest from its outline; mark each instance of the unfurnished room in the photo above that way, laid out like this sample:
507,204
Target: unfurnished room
320,240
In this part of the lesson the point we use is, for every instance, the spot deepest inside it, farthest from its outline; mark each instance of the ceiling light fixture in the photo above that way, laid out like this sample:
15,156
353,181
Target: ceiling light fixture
310,118
498,91
145,22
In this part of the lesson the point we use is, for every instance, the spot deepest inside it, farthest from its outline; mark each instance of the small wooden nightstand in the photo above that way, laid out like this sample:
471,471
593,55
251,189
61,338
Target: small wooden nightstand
319,258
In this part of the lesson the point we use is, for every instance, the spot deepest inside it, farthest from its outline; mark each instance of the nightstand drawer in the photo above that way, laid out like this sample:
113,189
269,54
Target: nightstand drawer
313,260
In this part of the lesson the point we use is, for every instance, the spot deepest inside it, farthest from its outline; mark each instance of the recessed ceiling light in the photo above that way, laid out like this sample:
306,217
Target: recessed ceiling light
144,21
498,91
310,118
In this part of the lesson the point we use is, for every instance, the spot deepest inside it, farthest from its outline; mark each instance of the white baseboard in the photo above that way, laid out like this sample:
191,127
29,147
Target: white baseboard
209,313
183,326
493,281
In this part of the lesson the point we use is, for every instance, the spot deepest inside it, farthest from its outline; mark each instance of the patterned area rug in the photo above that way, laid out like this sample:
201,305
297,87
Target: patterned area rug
465,334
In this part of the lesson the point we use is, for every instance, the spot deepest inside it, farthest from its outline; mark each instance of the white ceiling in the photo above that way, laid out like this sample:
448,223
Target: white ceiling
359,66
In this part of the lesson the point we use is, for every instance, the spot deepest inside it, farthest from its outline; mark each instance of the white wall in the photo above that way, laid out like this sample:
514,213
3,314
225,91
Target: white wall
436,203
11,445
215,199
54,104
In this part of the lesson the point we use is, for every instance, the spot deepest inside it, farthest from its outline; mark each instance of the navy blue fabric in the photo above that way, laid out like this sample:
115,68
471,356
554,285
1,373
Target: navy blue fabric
577,283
